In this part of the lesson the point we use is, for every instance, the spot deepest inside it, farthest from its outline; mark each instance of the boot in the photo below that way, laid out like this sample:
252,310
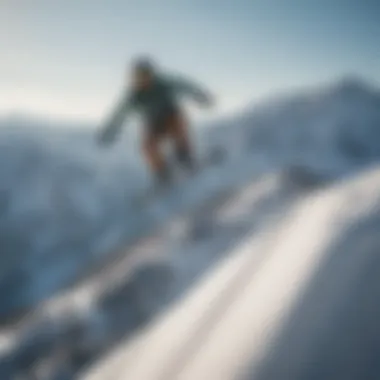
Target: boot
162,179
186,160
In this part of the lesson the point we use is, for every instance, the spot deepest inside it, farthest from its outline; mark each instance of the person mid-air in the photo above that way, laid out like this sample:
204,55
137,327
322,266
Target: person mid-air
156,97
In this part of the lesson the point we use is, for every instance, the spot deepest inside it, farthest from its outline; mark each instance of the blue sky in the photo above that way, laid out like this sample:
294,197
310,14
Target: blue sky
67,58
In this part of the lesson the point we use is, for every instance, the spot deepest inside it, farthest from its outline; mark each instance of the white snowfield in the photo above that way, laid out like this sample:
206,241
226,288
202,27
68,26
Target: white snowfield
264,266
298,301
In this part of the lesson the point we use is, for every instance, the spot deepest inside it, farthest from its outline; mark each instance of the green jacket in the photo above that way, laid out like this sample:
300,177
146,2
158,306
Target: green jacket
164,94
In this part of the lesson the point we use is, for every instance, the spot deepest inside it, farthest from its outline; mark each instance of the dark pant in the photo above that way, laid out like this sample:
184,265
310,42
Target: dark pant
172,127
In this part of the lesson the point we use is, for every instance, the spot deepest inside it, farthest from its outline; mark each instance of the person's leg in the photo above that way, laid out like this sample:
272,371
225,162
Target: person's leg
154,156
179,133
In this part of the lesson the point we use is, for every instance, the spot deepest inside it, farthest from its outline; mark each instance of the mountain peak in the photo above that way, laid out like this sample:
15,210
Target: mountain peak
351,85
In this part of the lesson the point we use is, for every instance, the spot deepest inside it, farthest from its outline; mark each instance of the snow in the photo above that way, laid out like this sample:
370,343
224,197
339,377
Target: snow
204,336
101,271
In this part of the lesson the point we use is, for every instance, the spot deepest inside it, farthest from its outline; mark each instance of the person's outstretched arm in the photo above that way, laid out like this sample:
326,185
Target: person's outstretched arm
108,133
187,87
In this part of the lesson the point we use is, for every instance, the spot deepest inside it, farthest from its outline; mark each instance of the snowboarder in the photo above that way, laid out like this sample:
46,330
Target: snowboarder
155,96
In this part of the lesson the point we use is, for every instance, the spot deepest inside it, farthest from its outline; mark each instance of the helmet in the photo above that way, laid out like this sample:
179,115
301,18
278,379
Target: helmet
145,65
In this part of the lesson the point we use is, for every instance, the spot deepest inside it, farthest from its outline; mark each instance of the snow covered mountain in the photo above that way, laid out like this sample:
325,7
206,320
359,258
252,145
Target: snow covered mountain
66,211
57,193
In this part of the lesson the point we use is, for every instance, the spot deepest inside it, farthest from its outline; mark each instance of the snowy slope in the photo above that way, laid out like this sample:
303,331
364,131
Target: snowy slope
57,195
276,155
296,302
